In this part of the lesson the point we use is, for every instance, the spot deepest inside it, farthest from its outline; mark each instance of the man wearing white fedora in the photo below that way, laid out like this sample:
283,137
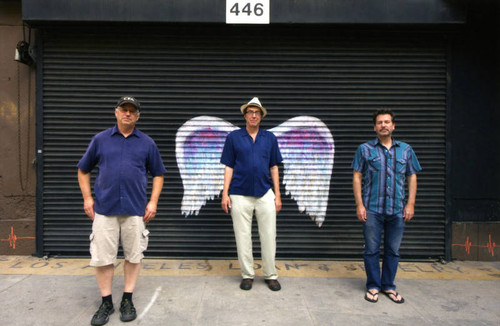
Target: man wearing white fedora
251,156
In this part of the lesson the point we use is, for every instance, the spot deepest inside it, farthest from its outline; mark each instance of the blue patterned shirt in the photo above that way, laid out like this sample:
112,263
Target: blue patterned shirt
384,174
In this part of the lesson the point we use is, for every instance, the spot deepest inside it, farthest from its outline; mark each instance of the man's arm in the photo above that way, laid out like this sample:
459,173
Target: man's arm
357,178
88,201
226,201
409,210
275,177
152,206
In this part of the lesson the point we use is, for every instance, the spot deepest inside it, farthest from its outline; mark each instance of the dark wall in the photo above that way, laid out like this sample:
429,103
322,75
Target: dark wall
474,135
214,11
17,131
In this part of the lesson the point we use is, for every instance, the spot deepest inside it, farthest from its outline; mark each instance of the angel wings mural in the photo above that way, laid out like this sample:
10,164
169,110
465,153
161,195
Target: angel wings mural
306,145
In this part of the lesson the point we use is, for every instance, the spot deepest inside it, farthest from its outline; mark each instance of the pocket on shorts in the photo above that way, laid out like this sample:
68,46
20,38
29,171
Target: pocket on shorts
91,238
144,240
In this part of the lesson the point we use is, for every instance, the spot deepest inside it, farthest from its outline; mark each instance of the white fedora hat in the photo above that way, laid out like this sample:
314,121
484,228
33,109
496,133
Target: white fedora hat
254,102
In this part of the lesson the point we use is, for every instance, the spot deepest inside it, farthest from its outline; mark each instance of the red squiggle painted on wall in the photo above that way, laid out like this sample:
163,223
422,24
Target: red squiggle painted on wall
468,244
12,238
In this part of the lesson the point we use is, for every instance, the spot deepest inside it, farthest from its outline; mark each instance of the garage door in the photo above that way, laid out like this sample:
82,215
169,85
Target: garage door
320,86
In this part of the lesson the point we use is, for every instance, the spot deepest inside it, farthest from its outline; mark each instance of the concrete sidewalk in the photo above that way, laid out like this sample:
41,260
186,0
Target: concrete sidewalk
61,291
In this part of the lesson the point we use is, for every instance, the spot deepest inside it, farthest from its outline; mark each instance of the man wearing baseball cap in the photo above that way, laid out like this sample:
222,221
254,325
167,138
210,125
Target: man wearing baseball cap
251,156
125,156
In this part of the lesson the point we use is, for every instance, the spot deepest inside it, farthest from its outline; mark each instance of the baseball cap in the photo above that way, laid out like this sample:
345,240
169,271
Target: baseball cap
130,100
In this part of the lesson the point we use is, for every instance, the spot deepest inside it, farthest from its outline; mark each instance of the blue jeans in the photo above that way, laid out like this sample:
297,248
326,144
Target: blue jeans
393,227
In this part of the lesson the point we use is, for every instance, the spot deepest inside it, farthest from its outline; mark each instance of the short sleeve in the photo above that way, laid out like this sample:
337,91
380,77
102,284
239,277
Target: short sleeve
276,157
358,163
156,166
89,159
227,157
413,163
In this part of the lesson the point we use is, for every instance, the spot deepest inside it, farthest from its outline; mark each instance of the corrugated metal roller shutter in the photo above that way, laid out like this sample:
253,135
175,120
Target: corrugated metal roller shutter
181,73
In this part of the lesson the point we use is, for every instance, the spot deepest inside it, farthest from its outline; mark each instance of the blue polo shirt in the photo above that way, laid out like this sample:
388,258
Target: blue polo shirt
250,161
123,165
384,174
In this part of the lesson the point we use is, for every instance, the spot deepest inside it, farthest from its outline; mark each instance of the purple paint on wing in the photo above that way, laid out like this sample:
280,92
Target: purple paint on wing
307,139
201,139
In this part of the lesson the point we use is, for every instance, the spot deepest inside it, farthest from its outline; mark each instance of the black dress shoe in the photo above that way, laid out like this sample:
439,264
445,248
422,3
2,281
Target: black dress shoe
246,284
274,285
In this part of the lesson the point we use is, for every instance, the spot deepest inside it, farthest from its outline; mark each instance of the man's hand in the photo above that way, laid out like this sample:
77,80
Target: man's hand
277,202
225,203
361,213
408,212
357,178
226,200
88,207
409,209
150,212
88,201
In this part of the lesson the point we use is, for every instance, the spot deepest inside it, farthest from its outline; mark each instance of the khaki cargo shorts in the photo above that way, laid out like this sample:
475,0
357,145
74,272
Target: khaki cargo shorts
106,234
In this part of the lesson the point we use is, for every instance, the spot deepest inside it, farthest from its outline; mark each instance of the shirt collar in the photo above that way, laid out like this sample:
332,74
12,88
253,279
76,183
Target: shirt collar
245,132
376,141
115,131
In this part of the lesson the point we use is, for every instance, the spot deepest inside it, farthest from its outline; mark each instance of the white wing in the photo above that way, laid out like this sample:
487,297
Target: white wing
307,147
199,144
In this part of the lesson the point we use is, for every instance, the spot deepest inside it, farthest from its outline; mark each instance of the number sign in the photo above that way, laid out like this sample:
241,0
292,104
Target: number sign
247,11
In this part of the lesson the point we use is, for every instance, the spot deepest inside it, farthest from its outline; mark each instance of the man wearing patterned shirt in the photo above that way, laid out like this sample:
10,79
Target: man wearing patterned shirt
380,168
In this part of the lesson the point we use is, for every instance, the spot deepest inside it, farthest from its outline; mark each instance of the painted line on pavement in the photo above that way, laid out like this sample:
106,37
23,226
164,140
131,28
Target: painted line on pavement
468,270
151,302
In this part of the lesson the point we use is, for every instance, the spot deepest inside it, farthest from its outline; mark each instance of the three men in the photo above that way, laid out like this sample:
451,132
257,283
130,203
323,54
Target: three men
251,156
251,186
380,169
124,156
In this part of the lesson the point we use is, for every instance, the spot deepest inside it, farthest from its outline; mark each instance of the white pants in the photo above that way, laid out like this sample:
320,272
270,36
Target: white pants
242,210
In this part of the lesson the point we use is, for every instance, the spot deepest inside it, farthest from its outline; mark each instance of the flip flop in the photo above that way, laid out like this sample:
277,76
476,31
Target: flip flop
374,297
395,294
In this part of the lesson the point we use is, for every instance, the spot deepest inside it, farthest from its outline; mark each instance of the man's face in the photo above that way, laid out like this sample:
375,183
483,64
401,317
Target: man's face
126,115
253,116
384,125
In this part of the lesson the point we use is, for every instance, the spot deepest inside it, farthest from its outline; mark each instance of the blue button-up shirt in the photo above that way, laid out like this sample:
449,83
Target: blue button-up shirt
250,161
384,174
123,166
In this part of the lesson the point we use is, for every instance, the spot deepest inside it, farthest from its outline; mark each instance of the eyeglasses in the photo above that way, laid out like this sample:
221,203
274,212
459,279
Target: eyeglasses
257,113
125,110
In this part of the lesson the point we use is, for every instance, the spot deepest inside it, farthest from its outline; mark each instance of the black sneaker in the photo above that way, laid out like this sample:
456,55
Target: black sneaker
127,311
101,317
